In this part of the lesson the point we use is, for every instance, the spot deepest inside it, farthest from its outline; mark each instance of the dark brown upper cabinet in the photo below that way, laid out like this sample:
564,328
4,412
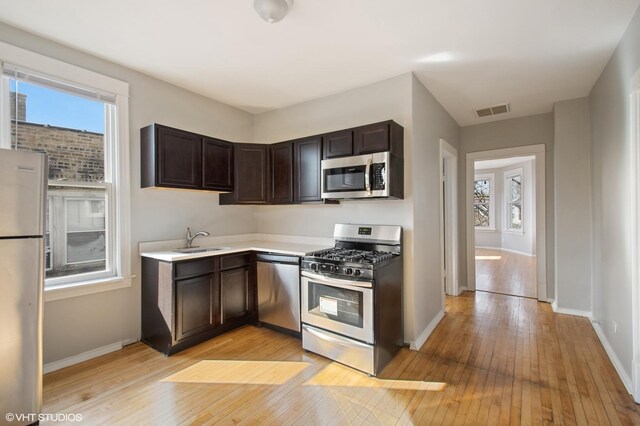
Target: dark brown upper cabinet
217,165
307,155
379,137
281,166
170,158
174,158
338,144
251,175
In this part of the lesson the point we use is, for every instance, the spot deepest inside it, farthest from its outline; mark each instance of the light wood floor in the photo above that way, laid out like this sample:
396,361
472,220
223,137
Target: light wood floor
493,359
500,271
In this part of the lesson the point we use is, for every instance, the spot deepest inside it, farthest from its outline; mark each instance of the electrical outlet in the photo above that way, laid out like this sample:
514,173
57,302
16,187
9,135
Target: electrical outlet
615,326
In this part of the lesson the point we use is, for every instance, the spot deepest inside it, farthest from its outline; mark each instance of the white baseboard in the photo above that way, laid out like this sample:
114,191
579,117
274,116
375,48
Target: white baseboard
569,311
76,359
417,344
509,250
626,380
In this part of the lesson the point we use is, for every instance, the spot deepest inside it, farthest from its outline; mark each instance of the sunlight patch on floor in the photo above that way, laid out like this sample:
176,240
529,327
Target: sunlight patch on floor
488,257
239,372
339,375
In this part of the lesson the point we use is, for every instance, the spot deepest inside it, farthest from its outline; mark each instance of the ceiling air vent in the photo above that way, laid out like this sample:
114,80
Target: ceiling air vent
494,110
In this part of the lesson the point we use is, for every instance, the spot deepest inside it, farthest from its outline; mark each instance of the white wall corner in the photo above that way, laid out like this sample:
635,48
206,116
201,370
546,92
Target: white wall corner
568,311
636,380
422,338
626,380
76,359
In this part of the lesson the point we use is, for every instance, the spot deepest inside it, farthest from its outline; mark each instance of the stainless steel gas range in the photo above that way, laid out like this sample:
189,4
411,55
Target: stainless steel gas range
352,297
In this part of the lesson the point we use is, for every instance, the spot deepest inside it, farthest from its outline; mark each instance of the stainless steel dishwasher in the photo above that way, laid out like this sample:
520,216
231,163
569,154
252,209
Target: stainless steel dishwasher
279,290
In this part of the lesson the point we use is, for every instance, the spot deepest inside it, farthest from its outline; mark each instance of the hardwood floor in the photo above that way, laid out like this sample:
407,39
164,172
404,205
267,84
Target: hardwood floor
494,359
501,271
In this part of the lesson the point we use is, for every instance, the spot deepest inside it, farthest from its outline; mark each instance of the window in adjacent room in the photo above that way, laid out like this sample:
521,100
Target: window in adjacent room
513,196
483,202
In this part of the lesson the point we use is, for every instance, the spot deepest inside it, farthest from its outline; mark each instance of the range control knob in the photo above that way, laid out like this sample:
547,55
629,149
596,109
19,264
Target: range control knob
357,272
348,271
314,266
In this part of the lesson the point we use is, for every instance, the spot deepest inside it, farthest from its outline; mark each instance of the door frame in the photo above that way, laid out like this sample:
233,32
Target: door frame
539,151
634,98
449,224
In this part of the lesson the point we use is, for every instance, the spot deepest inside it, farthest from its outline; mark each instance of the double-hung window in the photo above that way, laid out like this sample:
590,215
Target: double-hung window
513,197
82,129
483,201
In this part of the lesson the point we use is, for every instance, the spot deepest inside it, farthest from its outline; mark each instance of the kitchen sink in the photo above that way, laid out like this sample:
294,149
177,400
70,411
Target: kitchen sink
198,249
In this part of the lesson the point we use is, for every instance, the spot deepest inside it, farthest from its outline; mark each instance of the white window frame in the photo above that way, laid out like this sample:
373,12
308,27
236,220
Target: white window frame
508,174
492,200
116,156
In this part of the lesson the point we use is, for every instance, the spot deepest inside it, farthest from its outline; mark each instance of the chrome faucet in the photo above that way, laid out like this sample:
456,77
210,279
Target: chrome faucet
190,237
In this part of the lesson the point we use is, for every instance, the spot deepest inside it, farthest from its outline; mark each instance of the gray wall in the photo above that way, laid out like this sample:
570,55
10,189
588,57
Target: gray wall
611,177
572,174
430,123
531,130
80,324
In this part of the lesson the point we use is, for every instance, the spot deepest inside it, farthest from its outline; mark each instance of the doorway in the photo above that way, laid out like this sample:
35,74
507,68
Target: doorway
448,220
504,221
505,218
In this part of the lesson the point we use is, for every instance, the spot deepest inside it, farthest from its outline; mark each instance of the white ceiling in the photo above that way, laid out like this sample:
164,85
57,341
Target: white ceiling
468,53
499,163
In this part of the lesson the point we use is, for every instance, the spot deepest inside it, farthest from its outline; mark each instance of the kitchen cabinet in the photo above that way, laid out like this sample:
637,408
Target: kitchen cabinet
188,302
338,144
197,305
217,165
379,137
307,157
237,293
251,175
281,168
174,158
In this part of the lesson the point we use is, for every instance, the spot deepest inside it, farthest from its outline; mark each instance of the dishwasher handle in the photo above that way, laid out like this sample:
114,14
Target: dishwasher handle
277,258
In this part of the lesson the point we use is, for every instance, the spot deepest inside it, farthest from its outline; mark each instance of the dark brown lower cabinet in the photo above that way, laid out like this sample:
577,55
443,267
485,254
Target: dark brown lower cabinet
185,303
197,305
235,293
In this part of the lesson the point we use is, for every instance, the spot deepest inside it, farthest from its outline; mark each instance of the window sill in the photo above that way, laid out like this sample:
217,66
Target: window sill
514,231
486,229
67,291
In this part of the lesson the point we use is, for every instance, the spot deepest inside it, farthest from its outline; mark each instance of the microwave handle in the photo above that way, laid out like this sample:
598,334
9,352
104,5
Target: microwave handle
367,175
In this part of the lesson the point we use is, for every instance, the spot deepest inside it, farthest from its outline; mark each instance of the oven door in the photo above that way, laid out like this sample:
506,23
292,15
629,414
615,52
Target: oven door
342,306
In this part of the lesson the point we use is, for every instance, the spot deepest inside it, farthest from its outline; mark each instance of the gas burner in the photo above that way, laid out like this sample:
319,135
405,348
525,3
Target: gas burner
352,255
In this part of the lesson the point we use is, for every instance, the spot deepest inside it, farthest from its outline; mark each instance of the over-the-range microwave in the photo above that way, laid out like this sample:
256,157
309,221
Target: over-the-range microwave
378,175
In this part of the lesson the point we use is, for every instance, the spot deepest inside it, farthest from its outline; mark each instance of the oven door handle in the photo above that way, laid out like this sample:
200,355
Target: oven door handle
367,176
327,280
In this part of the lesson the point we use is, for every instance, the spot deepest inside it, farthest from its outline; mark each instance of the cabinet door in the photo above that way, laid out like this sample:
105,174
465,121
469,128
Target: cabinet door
372,138
196,305
338,144
217,165
307,156
235,293
251,173
178,159
281,165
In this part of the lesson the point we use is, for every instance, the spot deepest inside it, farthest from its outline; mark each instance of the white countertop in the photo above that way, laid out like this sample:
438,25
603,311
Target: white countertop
227,245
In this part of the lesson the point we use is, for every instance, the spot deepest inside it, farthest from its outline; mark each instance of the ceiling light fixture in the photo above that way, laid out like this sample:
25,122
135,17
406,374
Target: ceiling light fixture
272,11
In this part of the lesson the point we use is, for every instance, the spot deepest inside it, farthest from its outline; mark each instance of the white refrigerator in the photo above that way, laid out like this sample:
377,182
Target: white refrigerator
23,186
